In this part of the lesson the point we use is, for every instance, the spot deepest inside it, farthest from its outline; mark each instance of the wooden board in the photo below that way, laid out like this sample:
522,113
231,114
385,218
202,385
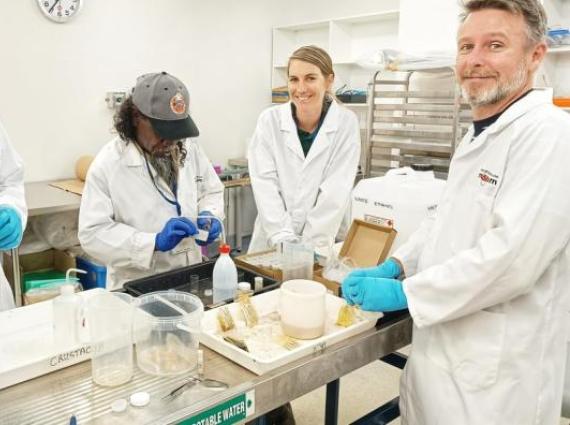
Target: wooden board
73,186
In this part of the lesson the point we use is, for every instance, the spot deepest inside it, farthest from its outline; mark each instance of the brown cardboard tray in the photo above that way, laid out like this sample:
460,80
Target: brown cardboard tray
366,244
245,261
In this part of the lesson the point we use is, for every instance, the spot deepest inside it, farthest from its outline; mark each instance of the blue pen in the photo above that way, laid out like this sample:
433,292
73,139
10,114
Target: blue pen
73,420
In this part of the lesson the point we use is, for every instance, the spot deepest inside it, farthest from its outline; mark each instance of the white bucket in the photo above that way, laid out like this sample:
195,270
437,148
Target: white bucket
401,199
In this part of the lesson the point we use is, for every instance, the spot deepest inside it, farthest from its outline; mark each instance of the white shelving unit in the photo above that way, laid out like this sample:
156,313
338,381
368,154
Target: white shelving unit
345,39
557,62
558,50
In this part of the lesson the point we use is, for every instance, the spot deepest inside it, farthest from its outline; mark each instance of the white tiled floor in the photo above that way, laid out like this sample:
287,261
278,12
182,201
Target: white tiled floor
378,381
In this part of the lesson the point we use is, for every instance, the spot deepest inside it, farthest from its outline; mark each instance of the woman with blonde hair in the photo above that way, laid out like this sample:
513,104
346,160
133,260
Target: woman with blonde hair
303,157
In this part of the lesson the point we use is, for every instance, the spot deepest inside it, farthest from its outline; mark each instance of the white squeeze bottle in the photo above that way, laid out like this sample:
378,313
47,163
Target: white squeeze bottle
224,278
66,317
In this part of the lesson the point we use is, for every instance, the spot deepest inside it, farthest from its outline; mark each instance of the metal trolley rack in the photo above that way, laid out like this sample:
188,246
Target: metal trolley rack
414,117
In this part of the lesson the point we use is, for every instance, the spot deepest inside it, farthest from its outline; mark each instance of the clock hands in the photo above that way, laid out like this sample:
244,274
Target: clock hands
53,5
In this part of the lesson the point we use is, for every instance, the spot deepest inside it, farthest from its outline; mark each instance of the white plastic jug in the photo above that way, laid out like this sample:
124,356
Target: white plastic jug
401,199
224,276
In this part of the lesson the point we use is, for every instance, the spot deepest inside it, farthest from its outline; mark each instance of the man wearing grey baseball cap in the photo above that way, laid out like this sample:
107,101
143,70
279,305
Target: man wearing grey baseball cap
151,195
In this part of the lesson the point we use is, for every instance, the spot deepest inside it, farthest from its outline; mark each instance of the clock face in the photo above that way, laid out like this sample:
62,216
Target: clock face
60,10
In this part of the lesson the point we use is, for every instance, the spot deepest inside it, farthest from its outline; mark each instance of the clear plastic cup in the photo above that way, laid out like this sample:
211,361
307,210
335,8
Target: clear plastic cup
167,328
109,318
297,261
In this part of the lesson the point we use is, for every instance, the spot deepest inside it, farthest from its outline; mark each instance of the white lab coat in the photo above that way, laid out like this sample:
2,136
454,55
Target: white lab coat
121,210
298,196
490,278
11,194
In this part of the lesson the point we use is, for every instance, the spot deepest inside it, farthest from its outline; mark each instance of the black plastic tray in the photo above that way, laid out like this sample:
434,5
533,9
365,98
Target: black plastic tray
179,279
352,98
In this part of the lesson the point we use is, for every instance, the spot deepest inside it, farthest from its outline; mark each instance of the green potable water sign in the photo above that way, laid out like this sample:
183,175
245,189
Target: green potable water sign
229,412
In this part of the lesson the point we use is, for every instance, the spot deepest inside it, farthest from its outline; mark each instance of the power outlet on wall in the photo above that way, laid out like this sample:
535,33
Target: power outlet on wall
115,98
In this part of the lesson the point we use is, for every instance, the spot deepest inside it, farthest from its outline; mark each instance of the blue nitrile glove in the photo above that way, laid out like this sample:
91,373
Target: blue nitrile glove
10,227
173,232
374,294
212,225
388,269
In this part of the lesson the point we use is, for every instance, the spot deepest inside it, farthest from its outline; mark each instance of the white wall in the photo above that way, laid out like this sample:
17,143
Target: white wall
53,77
428,25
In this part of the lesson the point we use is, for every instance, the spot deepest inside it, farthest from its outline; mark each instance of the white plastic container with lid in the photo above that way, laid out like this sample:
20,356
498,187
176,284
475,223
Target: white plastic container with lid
224,277
66,308
401,199
167,326
245,288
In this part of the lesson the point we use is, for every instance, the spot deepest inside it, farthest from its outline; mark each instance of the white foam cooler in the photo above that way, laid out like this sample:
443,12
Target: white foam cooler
400,199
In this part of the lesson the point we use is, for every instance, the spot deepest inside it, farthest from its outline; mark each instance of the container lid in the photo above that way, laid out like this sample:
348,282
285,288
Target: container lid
244,286
168,309
140,399
224,249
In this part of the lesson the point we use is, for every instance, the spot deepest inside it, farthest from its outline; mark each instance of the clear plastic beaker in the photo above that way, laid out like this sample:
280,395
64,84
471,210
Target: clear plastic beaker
110,320
297,261
167,328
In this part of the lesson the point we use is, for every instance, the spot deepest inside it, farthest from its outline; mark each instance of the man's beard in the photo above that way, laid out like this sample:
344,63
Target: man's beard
166,164
498,92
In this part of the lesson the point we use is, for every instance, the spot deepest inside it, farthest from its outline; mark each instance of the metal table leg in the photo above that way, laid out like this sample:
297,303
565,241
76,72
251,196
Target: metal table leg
262,420
331,410
16,274
226,213
237,217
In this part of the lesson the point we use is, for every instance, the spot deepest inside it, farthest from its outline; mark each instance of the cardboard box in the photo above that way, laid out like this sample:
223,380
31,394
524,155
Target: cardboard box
252,262
366,244
280,94
52,259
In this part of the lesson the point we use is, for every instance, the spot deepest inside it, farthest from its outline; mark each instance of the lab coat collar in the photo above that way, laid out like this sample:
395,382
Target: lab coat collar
532,100
535,98
287,124
133,155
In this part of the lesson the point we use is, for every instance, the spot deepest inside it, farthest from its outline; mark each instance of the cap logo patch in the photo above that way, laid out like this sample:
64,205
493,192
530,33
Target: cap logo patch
177,104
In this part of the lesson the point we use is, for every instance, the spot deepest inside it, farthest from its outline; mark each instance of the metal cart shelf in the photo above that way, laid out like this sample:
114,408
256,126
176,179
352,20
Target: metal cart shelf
413,121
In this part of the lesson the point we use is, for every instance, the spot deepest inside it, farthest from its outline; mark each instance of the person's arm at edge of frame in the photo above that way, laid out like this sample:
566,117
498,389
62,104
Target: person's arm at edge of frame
12,186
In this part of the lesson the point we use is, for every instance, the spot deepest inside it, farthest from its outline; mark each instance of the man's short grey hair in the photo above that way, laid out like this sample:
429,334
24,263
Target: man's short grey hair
531,10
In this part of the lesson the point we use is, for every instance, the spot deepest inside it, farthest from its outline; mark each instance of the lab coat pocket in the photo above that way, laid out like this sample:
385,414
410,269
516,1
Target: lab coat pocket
485,200
469,348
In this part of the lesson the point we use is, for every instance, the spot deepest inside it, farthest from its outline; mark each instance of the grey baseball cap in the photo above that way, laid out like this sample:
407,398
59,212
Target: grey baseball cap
164,99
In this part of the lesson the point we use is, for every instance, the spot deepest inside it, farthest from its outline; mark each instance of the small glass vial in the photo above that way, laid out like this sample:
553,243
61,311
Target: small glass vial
244,288
243,298
258,283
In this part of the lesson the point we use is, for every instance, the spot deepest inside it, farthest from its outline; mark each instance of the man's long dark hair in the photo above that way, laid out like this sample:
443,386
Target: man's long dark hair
124,122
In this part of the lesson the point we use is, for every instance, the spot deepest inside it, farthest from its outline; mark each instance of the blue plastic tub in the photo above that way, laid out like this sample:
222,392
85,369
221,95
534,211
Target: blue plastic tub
96,276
